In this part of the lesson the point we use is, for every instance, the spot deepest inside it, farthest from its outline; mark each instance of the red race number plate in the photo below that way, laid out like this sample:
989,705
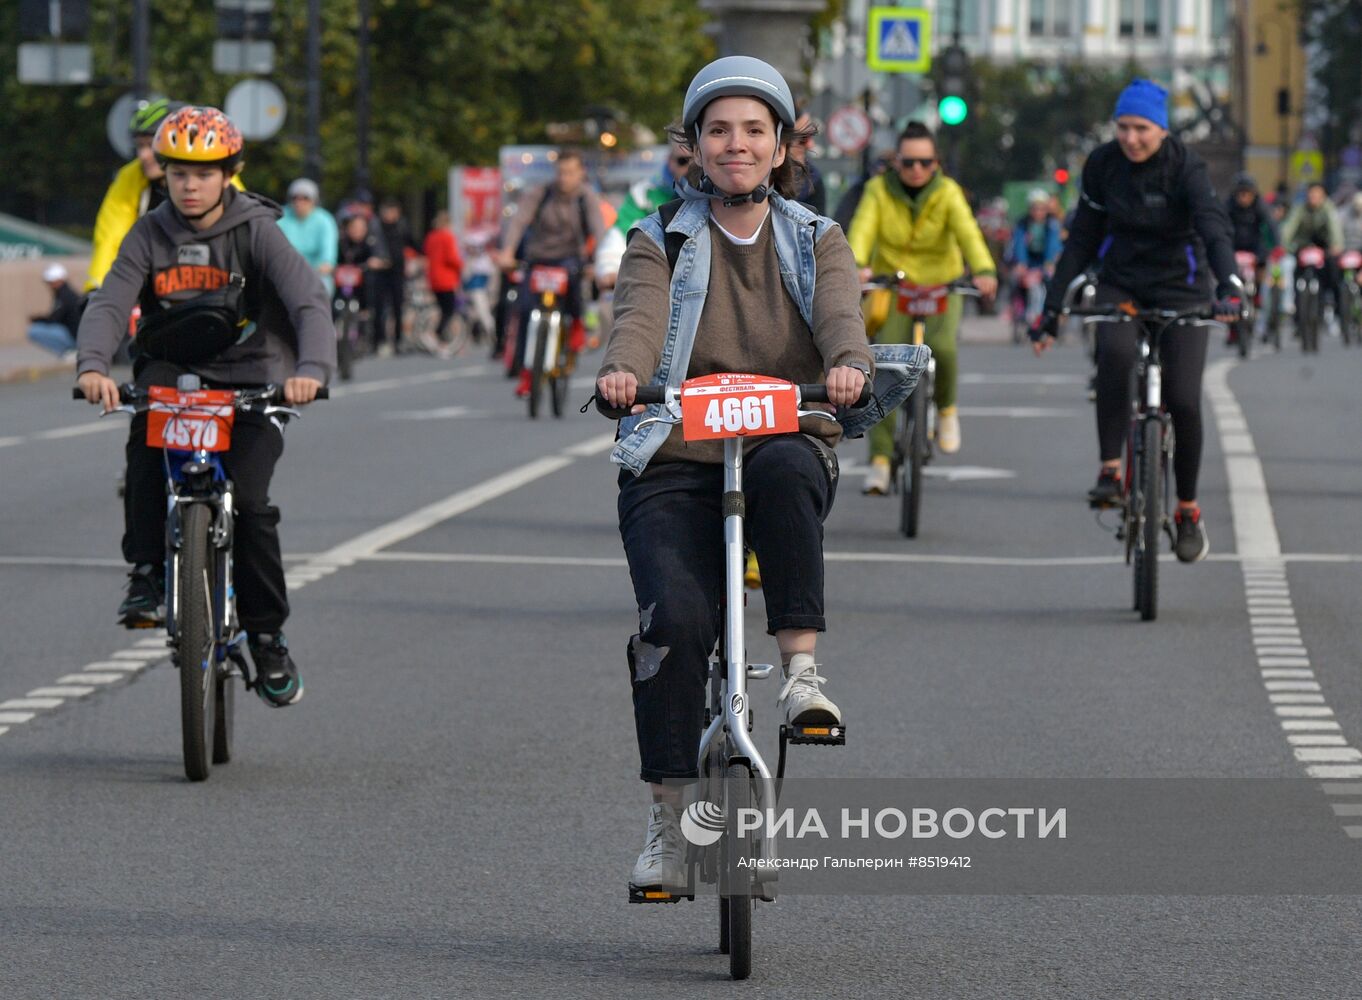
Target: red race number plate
549,279
190,421
923,300
1311,257
727,405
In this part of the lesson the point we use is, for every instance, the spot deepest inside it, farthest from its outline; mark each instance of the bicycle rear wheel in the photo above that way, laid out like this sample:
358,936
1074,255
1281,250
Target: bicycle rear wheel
537,364
345,348
1149,518
194,635
736,882
910,513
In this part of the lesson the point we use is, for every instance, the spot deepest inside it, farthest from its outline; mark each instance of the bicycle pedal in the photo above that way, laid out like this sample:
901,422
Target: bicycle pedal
645,895
814,735
760,671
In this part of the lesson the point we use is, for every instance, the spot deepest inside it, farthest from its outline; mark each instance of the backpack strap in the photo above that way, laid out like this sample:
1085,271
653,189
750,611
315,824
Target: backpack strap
244,275
672,242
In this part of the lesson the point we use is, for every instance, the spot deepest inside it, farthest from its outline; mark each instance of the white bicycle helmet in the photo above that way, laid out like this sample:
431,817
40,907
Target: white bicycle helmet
738,76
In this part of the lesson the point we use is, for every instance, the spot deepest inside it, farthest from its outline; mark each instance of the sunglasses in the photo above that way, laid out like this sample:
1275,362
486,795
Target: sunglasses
916,161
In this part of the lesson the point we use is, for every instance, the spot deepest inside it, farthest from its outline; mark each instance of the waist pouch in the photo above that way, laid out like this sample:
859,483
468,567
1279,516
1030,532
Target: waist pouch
197,330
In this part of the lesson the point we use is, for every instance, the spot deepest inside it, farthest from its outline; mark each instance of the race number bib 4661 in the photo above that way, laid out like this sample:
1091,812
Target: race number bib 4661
190,421
714,407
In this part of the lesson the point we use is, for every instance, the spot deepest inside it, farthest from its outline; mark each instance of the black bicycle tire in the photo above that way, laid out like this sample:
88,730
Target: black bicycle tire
1243,337
1305,319
224,717
738,894
537,364
1151,523
194,639
910,519
345,349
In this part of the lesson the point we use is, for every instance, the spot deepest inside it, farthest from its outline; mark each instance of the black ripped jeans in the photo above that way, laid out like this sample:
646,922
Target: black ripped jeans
1182,351
671,523
257,444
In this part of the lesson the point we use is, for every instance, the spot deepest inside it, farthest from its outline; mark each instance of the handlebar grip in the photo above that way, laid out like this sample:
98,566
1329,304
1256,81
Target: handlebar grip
817,392
324,392
77,393
644,395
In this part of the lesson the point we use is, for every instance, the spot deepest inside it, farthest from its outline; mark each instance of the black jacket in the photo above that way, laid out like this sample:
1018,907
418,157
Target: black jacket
1151,226
66,308
1252,228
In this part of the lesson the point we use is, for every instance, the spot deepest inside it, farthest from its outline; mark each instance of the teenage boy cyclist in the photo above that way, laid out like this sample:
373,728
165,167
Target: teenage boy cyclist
186,246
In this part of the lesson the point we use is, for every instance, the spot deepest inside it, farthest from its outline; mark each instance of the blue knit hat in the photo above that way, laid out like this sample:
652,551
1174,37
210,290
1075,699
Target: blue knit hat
1146,99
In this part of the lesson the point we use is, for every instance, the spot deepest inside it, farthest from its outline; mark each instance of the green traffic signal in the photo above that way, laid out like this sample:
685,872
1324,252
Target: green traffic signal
952,109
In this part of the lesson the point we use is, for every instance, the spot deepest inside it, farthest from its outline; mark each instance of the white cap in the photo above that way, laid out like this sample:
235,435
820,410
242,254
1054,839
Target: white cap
1038,196
304,187
54,272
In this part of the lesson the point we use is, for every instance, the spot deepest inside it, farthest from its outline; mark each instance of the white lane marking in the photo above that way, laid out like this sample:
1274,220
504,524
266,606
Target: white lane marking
15,718
64,691
3,729
25,704
105,666
492,559
1341,788
141,654
438,413
396,382
594,446
1264,572
965,473
6,442
1018,412
90,678
1050,378
77,430
63,561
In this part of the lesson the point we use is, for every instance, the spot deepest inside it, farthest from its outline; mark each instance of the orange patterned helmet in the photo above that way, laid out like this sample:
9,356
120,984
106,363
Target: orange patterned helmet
196,134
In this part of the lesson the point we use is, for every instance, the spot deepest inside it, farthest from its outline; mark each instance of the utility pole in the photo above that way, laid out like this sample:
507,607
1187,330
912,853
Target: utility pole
312,157
141,49
362,109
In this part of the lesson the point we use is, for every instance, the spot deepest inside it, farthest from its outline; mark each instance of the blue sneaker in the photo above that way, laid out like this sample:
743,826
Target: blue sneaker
277,680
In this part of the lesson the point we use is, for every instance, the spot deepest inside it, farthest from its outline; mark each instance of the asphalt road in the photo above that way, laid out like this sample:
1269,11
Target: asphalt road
453,809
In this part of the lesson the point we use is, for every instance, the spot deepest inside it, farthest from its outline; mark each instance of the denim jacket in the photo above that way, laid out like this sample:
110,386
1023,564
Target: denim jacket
796,232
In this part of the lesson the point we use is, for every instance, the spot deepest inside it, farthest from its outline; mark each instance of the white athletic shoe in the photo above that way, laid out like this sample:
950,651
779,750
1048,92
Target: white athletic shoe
877,479
948,431
803,703
662,865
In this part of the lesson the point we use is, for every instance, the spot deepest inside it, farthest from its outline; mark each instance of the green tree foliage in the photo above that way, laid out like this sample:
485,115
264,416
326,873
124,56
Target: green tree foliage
452,80
1027,118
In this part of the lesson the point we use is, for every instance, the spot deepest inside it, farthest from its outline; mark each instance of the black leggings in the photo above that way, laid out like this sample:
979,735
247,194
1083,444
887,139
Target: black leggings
1183,353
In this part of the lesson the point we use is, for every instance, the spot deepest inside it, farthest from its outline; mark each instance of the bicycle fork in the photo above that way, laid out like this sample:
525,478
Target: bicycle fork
735,719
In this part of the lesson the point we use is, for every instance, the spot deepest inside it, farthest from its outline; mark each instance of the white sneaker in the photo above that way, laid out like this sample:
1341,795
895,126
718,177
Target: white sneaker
877,479
948,431
662,865
385,350
800,698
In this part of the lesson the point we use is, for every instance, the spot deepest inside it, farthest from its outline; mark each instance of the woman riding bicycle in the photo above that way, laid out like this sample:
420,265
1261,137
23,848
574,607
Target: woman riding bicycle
1148,214
741,297
915,219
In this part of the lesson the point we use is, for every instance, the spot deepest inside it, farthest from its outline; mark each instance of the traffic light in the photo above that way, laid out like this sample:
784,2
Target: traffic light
1061,176
952,102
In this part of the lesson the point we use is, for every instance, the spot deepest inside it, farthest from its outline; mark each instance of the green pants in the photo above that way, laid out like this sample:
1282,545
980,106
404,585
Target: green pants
940,337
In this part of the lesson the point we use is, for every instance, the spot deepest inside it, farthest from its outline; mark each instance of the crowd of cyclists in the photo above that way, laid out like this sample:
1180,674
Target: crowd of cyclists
723,262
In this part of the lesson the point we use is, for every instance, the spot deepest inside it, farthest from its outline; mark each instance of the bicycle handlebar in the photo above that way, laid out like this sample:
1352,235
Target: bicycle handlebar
957,287
129,394
649,395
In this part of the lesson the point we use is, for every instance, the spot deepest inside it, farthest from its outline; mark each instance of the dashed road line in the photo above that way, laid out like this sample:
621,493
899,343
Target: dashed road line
1294,692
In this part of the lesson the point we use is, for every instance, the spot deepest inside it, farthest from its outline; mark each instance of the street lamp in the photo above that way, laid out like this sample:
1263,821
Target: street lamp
1284,91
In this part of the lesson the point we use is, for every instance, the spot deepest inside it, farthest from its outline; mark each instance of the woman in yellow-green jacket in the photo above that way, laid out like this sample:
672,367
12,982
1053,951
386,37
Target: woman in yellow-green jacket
915,219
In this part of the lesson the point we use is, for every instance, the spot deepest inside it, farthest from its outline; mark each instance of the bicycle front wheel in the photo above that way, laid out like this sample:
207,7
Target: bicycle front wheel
194,635
910,512
737,881
1149,519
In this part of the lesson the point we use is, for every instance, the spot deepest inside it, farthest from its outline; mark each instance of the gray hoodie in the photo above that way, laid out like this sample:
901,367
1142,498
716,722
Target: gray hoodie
181,263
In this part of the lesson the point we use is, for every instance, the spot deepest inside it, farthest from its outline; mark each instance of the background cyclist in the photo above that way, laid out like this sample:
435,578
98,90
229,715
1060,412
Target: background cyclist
1148,215
745,246
916,220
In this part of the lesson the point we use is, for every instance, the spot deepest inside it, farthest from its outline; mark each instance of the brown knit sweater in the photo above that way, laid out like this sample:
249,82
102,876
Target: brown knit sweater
749,324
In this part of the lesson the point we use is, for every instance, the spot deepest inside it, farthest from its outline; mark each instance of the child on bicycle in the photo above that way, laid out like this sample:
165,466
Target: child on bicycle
760,285
189,251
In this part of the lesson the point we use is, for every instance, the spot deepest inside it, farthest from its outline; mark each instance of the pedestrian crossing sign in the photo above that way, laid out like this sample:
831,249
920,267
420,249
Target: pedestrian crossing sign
900,40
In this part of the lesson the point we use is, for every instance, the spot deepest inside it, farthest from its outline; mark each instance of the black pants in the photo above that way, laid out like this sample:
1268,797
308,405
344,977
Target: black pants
672,525
262,599
572,302
447,303
387,289
1183,353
